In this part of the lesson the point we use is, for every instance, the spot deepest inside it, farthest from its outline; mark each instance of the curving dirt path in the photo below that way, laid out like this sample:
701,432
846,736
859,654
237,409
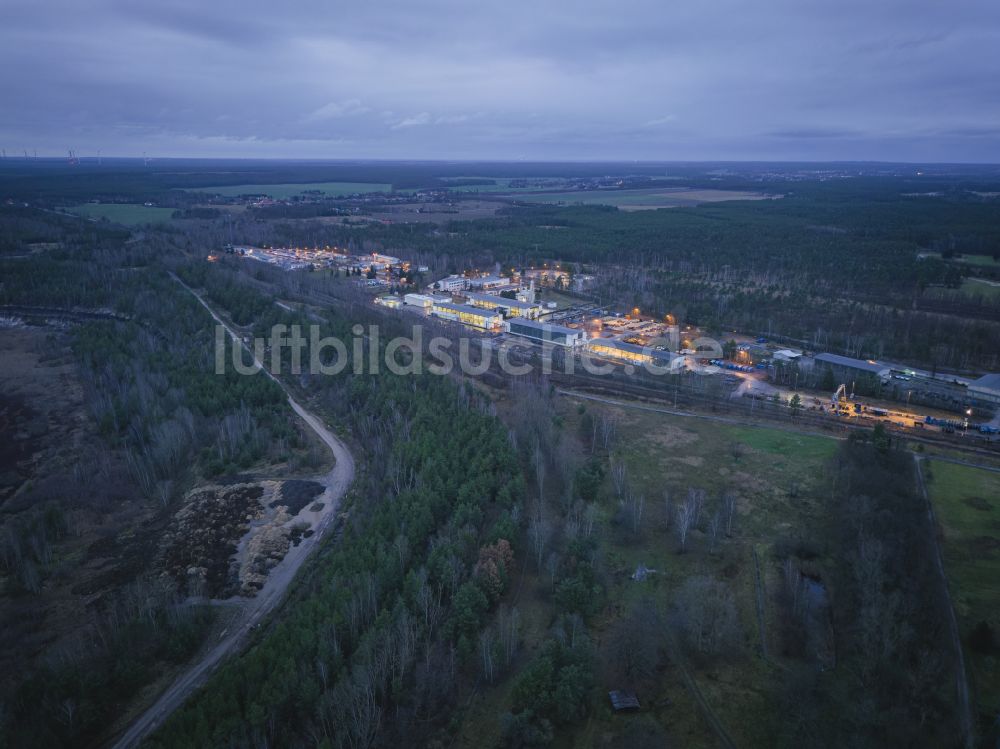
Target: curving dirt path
253,610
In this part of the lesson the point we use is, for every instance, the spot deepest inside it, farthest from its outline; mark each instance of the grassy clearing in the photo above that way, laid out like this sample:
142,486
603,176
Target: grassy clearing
502,184
983,260
637,200
979,260
288,190
779,479
967,503
981,287
129,214
562,300
971,288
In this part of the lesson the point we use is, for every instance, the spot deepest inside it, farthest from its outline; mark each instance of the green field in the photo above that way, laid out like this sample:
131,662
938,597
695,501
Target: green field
288,190
780,482
502,184
638,200
562,300
975,287
129,214
967,503
983,260
986,261
972,289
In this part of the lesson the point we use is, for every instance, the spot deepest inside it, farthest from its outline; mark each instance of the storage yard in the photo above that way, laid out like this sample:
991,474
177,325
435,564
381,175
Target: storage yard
839,386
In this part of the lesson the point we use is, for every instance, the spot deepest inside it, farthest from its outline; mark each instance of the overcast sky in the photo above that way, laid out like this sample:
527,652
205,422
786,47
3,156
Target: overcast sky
912,80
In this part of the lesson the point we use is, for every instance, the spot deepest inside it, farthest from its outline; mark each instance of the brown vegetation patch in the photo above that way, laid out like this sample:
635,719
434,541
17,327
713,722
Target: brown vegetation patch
978,503
671,436
984,546
695,461
203,535
297,493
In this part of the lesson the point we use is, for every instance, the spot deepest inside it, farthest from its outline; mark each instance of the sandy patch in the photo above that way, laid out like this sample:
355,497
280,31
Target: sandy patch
689,460
671,436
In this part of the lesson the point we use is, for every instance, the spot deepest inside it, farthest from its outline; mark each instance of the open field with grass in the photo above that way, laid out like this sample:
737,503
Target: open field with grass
985,261
779,480
502,184
562,300
982,289
642,200
288,190
967,503
438,213
129,214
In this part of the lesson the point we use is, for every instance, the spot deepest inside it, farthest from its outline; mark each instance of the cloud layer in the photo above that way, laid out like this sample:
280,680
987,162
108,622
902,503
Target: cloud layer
591,79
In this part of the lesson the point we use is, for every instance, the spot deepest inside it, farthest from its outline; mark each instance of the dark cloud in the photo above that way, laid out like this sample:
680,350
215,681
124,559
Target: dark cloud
591,79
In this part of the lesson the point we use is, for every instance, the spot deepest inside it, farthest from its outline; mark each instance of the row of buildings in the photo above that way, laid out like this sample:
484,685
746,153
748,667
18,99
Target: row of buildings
498,315
982,392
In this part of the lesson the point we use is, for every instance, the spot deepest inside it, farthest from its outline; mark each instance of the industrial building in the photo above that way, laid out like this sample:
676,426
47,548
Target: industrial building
545,332
424,301
509,307
787,355
629,352
475,316
986,389
845,366
488,282
390,300
452,284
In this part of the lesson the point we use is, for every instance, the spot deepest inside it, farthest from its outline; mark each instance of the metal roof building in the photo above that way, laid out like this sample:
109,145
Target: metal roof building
513,307
986,388
545,332
859,365
475,316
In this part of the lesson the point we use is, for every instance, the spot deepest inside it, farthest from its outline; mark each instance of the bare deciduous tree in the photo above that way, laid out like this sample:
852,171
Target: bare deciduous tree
714,525
729,506
619,477
685,516
539,531
486,643
508,629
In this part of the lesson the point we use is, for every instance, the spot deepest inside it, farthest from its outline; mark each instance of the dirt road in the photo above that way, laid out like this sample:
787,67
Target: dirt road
336,483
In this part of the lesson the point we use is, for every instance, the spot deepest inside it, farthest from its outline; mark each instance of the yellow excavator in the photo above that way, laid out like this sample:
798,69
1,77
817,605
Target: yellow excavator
840,402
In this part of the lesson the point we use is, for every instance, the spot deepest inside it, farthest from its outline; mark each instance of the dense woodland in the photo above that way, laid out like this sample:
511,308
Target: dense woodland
895,679
414,606
392,619
834,266
161,420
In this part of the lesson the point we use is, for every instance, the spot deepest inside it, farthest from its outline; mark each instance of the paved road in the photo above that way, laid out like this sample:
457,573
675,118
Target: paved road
255,609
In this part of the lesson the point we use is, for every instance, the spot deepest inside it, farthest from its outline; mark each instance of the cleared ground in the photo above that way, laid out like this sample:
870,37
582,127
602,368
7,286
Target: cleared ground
641,200
288,190
982,289
502,184
129,214
987,261
967,503
439,213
